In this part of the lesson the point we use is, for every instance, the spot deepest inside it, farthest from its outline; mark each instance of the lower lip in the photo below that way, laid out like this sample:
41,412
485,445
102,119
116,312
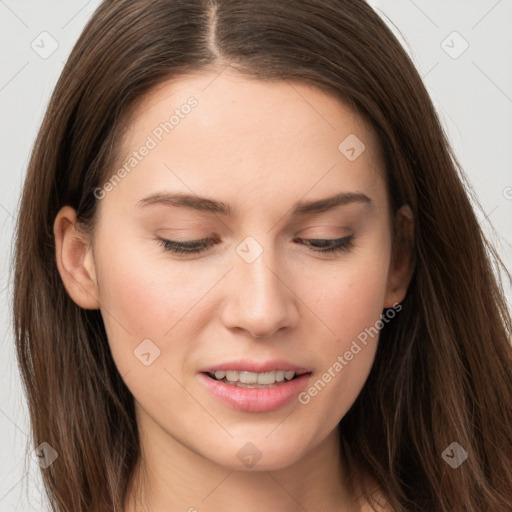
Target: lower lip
256,399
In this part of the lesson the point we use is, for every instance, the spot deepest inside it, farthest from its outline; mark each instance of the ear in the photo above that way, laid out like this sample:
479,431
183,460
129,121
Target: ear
402,258
75,259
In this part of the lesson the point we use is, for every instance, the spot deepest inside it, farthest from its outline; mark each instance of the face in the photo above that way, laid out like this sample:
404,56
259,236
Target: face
248,244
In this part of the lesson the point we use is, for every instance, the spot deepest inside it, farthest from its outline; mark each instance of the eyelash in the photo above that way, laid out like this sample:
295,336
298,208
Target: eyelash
338,245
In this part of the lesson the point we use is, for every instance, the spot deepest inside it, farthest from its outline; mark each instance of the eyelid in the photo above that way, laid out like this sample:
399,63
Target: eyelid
181,247
196,247
336,228
338,245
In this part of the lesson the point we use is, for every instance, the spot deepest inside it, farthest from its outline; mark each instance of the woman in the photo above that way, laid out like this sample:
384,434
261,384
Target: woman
248,273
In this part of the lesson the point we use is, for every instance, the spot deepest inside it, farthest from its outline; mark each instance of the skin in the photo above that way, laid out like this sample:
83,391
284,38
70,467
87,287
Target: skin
259,147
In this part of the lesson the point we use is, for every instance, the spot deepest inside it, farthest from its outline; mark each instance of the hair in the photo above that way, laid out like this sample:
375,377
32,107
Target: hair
443,367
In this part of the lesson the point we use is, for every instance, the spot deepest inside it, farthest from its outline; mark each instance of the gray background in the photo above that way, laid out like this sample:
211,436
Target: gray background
472,93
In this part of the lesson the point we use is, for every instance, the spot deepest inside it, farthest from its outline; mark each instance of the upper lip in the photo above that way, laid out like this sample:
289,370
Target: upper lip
256,366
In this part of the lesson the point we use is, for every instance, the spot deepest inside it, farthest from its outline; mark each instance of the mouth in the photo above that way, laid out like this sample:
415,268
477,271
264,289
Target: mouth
247,379
255,387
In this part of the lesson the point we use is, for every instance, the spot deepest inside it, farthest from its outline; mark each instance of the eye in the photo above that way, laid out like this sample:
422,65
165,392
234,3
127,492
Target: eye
329,246
188,247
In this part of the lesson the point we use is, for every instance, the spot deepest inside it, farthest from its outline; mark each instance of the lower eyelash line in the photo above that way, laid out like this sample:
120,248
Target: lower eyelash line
341,245
185,247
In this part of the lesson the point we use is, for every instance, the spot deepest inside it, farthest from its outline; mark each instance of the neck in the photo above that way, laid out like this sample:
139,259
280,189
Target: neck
173,477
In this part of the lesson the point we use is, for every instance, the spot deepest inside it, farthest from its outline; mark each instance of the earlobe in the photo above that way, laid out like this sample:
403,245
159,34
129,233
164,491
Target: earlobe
402,258
75,260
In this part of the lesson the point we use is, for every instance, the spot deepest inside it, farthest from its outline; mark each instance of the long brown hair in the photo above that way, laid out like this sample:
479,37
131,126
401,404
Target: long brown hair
443,368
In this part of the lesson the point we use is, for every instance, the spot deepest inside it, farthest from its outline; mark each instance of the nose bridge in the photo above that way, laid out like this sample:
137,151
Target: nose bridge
260,302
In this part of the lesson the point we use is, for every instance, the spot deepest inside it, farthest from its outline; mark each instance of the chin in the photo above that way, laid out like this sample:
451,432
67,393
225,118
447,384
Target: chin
261,455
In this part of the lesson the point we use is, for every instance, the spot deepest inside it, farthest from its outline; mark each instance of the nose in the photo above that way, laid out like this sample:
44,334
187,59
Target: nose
260,299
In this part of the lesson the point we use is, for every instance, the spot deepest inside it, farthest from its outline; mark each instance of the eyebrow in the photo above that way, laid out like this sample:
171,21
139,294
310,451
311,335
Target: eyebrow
209,205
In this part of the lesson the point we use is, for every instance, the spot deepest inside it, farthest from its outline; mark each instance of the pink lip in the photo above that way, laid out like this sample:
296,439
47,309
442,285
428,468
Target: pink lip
256,367
256,399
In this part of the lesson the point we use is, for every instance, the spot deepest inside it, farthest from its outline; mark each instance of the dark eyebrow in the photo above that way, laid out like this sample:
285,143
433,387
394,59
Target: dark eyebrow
210,205
187,200
322,205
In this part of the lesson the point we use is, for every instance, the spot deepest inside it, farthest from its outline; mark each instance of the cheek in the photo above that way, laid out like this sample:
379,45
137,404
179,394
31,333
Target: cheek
350,298
143,298
350,303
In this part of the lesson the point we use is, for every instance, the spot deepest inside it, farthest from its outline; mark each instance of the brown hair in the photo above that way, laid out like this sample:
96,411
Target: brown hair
443,368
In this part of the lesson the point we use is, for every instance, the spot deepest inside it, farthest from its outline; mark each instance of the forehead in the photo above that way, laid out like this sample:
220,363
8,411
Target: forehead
224,132
248,106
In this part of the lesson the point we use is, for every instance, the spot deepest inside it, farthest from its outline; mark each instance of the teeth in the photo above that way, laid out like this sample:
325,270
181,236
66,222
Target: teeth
265,378
232,376
248,377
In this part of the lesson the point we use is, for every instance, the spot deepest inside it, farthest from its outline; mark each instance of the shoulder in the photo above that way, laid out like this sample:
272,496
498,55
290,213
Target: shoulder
385,507
381,503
